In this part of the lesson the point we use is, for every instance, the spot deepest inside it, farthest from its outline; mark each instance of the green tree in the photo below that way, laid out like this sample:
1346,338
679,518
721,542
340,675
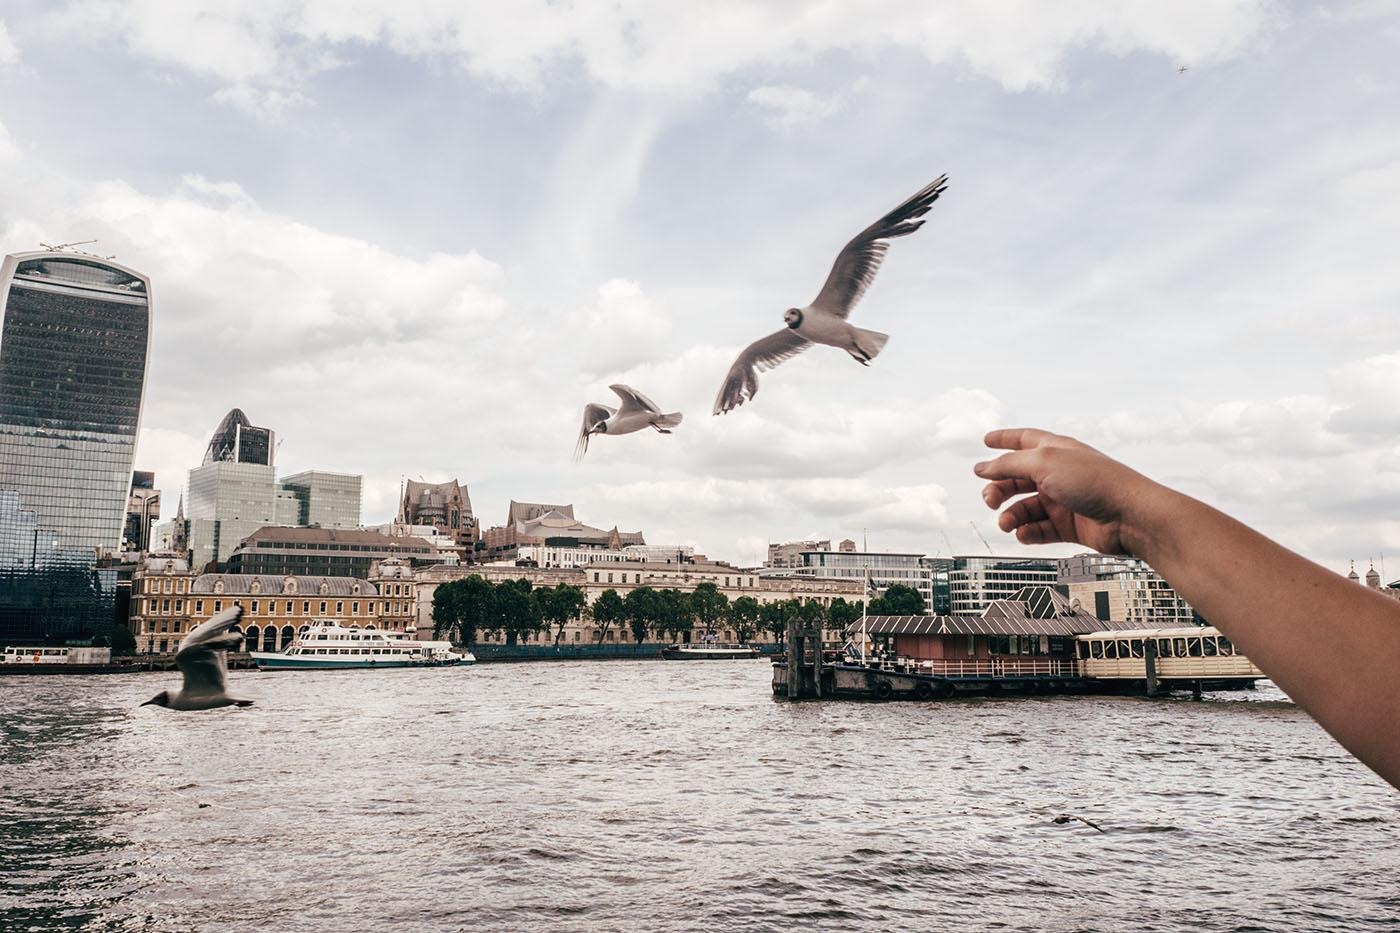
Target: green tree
608,610
640,609
559,606
898,600
674,614
843,614
708,606
775,615
447,609
744,615
514,610
474,598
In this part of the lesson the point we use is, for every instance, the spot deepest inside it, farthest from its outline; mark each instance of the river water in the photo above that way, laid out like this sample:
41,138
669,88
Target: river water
675,796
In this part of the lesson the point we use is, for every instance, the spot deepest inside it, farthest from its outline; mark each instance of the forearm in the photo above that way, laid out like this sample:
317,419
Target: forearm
1330,644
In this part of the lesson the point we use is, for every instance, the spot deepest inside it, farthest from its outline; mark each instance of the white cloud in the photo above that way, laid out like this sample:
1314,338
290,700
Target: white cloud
9,52
265,52
793,107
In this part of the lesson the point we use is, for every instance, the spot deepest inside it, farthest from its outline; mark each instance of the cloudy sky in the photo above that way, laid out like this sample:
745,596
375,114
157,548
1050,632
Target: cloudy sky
415,237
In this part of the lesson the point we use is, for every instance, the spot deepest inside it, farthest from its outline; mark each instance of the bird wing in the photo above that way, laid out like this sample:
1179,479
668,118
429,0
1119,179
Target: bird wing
856,265
592,414
632,400
201,654
741,384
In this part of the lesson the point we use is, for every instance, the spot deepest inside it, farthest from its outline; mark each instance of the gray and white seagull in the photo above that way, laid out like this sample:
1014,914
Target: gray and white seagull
635,413
824,320
201,660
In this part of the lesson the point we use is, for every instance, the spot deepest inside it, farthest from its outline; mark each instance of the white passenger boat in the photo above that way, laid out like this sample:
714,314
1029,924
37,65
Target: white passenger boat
325,645
712,651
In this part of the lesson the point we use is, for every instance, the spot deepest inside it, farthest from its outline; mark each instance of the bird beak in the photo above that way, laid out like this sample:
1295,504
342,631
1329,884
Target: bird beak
149,702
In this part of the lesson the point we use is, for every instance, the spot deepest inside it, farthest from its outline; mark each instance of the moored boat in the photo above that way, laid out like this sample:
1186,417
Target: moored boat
325,645
712,651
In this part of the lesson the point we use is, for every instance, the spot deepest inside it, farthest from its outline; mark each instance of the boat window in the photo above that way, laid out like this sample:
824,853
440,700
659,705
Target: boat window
1194,645
1164,647
1179,648
1226,646
1210,647
1135,647
1123,652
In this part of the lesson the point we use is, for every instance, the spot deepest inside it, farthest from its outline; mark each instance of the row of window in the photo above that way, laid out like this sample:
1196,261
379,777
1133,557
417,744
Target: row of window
164,607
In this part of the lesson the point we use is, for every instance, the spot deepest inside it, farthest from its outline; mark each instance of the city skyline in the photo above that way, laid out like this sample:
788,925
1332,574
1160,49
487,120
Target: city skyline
1146,257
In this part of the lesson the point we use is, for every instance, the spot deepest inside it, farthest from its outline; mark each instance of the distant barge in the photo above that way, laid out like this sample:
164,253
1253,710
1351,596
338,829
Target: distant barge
64,660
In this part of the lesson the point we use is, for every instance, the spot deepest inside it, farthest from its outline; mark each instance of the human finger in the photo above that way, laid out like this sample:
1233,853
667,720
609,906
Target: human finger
994,494
1025,511
1041,532
1016,438
1018,464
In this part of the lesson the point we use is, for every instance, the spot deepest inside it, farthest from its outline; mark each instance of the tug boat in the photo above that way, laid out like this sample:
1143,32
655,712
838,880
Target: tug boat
325,645
711,651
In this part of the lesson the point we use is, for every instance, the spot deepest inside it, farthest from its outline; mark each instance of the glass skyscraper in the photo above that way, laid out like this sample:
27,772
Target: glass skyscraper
74,341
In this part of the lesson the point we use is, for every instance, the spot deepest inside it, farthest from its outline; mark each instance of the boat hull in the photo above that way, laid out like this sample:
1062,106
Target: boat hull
273,661
674,653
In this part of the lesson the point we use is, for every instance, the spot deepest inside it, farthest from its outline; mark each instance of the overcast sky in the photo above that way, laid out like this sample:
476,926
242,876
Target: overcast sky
415,237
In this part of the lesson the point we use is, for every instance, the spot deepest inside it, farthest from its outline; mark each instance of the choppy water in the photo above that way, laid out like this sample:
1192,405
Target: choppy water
671,796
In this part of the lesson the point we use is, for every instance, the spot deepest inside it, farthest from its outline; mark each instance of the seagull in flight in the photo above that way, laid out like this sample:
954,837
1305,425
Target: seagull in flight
824,320
635,413
201,660
1181,70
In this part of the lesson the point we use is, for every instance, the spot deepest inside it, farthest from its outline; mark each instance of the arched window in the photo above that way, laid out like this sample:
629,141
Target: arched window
288,636
250,638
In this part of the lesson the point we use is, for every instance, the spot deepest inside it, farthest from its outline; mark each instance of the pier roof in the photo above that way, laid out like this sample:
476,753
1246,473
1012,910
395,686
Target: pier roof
1034,610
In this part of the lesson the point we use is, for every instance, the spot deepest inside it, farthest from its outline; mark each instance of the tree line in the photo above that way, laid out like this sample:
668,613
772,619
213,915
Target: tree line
474,607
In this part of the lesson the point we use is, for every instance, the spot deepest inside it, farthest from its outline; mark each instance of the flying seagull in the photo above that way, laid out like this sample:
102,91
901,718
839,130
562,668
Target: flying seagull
824,320
201,660
636,412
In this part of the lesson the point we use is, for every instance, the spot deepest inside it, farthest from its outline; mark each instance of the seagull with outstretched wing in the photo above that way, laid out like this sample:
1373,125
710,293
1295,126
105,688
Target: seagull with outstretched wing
635,412
824,320
201,660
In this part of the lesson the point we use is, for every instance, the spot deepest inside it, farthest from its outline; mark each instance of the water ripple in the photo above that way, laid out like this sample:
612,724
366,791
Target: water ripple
659,796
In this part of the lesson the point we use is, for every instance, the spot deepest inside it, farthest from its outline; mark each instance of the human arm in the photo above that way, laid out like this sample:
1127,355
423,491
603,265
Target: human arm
1331,645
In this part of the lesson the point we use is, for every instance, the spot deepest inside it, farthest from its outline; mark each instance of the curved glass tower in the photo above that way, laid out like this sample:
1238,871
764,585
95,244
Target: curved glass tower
74,340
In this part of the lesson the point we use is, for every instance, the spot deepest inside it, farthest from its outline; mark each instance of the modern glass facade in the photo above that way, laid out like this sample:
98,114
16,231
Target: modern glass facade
329,500
73,346
228,502
883,570
975,581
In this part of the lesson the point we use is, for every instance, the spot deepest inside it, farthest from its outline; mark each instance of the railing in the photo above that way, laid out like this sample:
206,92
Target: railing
982,667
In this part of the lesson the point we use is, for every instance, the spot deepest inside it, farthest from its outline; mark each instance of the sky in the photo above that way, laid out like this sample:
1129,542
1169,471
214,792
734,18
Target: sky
415,238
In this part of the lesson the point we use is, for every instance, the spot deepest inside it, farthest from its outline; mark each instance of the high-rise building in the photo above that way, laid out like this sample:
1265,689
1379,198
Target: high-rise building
447,506
881,569
328,500
74,339
142,510
790,553
235,492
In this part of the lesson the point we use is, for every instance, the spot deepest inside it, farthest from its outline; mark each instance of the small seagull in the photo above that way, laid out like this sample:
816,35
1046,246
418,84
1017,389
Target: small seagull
201,660
824,320
636,412
1181,70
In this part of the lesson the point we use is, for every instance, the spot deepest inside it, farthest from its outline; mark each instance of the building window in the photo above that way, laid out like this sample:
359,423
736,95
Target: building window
218,604
199,607
179,605
355,608
306,607
323,607
255,606
339,608
165,606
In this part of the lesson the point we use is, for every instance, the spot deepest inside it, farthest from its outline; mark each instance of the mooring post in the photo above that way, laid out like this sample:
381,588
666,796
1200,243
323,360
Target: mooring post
794,667
1195,689
1149,653
816,635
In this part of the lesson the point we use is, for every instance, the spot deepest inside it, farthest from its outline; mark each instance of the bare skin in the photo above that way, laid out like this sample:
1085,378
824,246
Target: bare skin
1330,644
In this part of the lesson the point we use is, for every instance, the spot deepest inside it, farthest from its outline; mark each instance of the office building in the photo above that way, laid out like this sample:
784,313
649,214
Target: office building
325,500
973,582
142,510
1122,589
74,340
325,552
790,553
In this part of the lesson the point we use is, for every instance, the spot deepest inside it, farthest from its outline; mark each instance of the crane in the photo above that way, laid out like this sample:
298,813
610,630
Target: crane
980,538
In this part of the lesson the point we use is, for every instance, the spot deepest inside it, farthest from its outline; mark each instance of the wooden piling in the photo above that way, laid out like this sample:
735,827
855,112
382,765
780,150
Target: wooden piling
1149,653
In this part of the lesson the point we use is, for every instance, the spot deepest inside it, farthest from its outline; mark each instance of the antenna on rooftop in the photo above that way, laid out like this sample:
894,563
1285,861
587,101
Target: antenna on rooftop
951,550
62,246
980,538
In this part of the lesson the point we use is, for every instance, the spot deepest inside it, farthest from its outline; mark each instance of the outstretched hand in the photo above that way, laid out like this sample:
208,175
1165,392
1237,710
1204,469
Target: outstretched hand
1072,493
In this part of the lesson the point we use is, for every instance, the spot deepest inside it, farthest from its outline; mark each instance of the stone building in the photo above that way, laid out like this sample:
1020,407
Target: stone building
447,506
534,523
168,600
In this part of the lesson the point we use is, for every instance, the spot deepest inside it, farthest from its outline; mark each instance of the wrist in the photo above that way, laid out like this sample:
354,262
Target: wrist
1148,521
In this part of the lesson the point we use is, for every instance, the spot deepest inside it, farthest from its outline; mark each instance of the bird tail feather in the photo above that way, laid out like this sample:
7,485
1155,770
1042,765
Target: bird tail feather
669,421
868,344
